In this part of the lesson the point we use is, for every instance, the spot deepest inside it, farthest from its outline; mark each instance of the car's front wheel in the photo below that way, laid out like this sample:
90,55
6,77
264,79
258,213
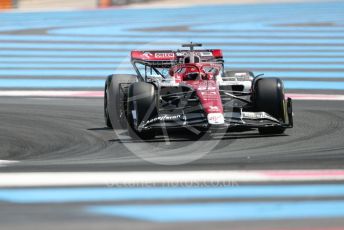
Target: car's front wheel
142,106
269,97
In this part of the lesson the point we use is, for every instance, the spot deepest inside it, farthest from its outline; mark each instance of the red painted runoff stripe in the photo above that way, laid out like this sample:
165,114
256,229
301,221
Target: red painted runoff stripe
305,174
50,93
316,97
71,93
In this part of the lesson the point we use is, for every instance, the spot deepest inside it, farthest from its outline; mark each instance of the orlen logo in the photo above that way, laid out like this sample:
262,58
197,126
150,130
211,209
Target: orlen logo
216,118
164,55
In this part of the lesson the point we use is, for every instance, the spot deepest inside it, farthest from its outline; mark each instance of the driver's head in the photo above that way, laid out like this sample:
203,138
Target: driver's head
192,76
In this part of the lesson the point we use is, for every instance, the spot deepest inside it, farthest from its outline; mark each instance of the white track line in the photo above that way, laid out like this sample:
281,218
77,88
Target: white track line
5,162
133,179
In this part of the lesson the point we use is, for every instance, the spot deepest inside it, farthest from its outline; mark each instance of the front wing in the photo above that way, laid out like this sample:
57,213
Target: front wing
232,120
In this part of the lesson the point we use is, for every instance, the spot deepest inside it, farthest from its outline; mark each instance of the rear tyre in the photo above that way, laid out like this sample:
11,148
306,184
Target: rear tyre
114,98
269,97
142,106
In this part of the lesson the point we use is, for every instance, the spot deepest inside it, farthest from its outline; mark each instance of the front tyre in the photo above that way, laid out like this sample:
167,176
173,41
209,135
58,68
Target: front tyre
142,106
269,97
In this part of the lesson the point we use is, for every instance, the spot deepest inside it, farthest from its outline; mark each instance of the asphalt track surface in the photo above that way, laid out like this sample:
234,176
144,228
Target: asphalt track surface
70,135
55,51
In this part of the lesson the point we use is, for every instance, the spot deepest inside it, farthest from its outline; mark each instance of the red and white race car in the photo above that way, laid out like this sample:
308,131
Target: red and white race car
191,89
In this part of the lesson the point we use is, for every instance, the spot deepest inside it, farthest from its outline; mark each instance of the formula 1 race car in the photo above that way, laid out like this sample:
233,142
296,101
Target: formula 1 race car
190,89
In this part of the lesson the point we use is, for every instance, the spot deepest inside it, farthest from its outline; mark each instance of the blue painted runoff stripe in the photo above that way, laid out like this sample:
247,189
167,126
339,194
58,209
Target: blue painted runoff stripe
217,24
57,195
242,211
314,85
230,58
322,41
213,32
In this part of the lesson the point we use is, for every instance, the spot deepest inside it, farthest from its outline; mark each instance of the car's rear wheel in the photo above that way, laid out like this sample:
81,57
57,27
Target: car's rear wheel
114,98
142,106
269,97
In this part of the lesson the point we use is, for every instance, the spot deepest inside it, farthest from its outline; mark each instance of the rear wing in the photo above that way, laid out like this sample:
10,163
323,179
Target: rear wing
170,58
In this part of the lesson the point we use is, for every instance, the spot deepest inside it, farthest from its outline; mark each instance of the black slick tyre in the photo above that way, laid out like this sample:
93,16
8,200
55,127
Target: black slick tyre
269,98
142,106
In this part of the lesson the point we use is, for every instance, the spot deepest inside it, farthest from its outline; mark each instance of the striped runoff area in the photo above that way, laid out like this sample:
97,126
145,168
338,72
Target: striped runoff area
301,43
193,204
184,196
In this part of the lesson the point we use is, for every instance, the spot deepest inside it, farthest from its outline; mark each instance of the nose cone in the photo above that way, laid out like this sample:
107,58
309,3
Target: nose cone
209,95
216,118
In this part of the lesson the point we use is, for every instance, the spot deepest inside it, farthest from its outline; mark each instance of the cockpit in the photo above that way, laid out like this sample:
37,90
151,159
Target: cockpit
196,71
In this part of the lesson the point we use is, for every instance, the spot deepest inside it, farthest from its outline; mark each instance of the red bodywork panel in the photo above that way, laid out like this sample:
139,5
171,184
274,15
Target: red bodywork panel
209,95
170,55
205,84
153,55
